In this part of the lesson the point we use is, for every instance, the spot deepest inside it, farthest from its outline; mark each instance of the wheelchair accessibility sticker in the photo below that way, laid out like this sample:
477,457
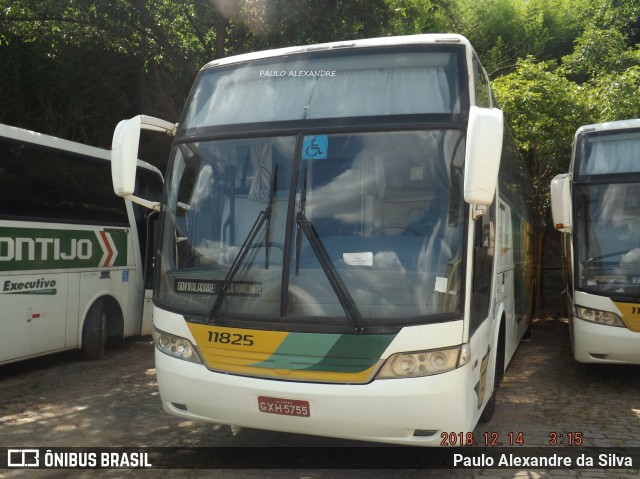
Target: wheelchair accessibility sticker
315,147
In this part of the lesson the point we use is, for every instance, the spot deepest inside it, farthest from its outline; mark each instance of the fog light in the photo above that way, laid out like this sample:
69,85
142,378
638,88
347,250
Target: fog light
424,432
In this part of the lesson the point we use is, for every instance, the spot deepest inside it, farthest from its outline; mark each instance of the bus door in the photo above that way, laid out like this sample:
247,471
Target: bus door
505,277
148,267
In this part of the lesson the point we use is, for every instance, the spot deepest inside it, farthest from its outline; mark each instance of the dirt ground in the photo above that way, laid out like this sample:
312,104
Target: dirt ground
64,401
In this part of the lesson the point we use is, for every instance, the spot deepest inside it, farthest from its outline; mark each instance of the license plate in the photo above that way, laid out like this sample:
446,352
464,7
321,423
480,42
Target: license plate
284,407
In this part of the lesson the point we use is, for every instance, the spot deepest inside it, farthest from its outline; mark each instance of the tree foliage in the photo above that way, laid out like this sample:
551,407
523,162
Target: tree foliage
504,31
544,109
74,68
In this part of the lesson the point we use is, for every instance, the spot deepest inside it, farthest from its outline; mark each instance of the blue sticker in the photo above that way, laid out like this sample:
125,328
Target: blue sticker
125,276
315,147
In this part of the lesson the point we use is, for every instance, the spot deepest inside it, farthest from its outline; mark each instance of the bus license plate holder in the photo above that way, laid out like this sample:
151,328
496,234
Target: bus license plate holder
284,407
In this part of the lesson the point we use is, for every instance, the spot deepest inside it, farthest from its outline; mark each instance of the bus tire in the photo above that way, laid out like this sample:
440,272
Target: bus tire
94,333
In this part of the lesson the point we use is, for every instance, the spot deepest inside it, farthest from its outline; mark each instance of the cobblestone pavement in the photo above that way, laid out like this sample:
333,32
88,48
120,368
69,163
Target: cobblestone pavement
63,401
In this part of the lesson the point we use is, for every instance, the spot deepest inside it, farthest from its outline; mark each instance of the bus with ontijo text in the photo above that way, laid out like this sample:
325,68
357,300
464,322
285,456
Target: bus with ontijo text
596,207
346,242
72,253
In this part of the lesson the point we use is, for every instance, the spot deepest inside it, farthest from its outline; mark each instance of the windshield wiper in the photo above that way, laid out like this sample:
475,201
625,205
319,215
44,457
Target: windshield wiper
608,255
263,217
272,197
337,284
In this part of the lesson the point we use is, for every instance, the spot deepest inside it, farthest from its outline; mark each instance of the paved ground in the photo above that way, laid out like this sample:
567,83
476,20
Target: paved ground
63,401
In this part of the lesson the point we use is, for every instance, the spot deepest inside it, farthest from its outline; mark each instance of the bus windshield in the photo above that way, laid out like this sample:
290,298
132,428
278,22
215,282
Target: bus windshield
608,238
607,212
325,227
306,86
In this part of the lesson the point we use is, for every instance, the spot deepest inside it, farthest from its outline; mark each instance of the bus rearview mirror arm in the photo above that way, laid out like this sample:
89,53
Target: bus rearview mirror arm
124,154
483,151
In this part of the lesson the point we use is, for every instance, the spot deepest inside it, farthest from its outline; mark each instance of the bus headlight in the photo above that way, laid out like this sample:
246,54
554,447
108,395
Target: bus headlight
606,318
175,346
424,363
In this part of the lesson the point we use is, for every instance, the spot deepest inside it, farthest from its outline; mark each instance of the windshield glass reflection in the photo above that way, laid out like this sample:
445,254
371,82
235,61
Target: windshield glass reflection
608,238
375,222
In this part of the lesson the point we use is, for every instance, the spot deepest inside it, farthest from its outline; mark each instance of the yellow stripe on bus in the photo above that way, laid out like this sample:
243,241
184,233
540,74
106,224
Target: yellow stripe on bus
246,345
630,315
238,351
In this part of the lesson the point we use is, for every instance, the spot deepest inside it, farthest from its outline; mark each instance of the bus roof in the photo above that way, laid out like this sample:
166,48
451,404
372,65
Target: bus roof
28,136
430,38
609,125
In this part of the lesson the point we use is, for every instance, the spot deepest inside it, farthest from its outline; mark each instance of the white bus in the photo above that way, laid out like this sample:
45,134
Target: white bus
597,207
333,256
71,251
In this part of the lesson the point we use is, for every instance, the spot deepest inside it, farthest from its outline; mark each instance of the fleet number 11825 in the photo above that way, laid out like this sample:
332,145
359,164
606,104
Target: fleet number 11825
224,337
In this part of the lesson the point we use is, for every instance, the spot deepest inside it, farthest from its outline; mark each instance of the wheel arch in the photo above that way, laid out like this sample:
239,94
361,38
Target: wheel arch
114,316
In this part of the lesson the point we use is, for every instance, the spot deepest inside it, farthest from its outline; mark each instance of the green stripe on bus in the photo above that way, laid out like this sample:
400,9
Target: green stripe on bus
355,351
26,249
341,353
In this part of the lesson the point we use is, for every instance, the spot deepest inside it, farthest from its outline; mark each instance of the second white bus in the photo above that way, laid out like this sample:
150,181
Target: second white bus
72,253
597,208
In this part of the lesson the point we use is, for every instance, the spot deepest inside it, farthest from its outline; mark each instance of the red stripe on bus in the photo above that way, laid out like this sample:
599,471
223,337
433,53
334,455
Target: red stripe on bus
106,242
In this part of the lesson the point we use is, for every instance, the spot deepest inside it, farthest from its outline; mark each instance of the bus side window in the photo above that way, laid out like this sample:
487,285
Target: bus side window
482,85
483,251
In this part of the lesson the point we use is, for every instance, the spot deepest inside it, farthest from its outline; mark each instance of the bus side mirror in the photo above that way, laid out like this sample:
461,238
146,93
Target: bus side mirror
482,155
124,154
561,202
